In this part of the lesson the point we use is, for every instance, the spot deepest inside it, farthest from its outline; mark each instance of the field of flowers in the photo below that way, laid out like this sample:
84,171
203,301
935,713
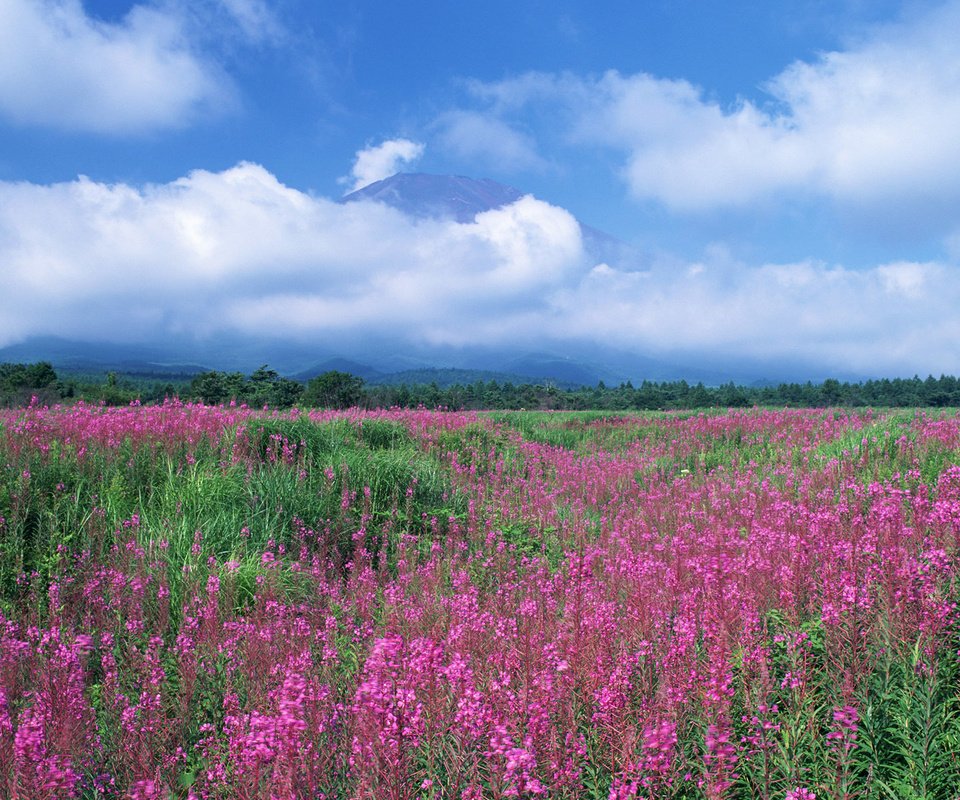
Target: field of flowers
226,604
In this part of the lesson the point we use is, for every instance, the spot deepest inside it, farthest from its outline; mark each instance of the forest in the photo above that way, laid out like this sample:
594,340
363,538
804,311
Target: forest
20,383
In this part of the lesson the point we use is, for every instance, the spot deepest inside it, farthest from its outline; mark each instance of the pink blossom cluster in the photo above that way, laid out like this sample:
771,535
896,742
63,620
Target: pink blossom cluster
599,617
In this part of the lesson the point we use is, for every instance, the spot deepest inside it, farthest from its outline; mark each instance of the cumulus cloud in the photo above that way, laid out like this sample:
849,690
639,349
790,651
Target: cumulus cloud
891,319
874,122
373,164
61,68
238,252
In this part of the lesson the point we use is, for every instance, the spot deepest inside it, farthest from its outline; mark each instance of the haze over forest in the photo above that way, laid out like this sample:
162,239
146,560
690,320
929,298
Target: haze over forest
752,192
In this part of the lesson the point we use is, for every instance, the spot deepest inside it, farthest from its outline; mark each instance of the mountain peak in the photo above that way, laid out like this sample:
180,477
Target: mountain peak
460,198
451,196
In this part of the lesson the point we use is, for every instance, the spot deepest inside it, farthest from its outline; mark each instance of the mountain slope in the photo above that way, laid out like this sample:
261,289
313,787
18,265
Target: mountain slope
460,198
452,196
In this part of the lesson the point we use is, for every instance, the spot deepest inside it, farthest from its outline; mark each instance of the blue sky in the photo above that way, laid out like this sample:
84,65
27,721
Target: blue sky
789,171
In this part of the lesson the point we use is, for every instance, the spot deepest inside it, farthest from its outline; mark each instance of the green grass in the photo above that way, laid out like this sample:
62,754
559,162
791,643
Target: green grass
87,504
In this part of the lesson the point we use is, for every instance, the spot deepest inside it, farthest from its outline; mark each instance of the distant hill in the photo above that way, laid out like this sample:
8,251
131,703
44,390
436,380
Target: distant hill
561,371
376,362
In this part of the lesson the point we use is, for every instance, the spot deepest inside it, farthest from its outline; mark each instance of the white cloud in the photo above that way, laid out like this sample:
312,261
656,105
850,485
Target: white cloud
376,163
905,279
875,123
891,319
689,153
472,136
61,68
238,252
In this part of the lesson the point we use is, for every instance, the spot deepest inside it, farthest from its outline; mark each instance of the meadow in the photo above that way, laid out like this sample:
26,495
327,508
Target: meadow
220,603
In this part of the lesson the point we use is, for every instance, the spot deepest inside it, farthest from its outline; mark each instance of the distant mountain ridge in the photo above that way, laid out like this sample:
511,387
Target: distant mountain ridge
90,359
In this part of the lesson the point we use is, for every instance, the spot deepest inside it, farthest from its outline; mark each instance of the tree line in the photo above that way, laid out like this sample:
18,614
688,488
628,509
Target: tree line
20,383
